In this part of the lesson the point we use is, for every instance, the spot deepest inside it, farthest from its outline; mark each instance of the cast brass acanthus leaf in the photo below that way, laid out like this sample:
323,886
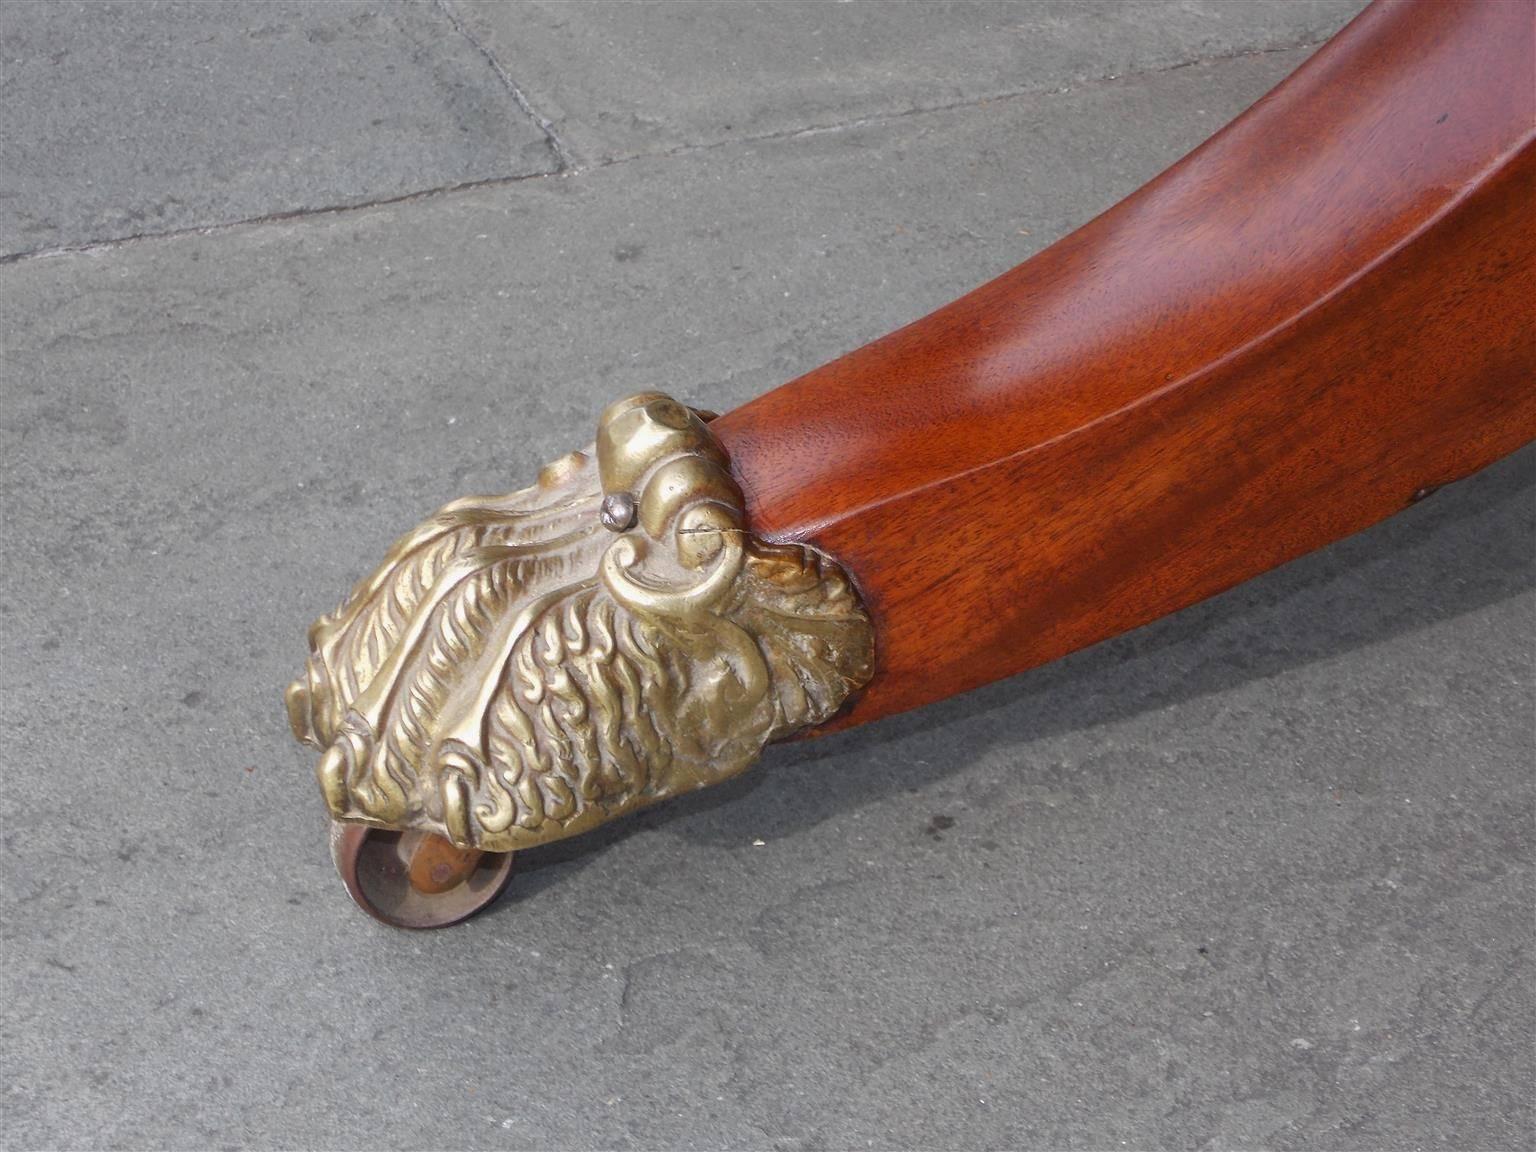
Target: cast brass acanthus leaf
522,668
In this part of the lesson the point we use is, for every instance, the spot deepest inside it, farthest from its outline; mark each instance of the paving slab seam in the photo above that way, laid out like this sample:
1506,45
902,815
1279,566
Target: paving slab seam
918,110
567,162
570,167
287,217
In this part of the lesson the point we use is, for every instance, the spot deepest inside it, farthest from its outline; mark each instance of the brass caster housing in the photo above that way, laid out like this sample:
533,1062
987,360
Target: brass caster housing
524,668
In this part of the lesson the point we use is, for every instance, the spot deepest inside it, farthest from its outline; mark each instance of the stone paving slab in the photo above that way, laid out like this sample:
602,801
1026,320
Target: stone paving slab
1257,875
618,80
131,119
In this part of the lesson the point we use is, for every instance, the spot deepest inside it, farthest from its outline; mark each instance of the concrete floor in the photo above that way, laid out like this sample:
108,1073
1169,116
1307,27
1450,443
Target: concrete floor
279,279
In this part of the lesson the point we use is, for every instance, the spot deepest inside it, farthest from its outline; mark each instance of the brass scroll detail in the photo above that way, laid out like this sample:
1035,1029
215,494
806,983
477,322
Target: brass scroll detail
523,668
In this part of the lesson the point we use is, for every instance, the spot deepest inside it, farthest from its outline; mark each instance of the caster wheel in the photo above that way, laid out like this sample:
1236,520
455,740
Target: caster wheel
416,879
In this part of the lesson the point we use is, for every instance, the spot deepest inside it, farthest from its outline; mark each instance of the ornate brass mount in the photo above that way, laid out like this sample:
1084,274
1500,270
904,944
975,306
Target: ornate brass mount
523,668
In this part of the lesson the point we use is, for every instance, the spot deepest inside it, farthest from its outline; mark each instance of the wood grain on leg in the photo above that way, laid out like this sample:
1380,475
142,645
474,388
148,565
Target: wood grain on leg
1322,313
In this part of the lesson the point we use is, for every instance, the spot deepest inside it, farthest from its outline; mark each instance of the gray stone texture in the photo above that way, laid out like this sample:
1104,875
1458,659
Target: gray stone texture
124,120
1259,875
656,77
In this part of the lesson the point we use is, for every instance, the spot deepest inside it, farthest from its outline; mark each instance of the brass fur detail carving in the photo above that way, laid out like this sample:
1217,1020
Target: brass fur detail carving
522,668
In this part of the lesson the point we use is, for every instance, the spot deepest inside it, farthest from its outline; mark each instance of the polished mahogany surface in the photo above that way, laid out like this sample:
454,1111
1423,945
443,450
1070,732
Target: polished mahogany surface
1316,317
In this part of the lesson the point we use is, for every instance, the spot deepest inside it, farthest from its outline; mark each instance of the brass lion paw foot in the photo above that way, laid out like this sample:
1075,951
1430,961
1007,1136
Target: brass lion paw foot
523,668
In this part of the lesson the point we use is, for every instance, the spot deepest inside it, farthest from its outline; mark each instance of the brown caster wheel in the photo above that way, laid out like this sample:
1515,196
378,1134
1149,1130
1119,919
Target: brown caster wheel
416,879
